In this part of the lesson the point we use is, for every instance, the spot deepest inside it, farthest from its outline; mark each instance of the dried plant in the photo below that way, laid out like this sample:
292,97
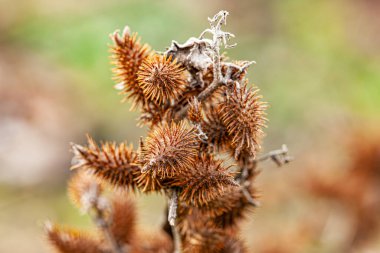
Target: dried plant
198,106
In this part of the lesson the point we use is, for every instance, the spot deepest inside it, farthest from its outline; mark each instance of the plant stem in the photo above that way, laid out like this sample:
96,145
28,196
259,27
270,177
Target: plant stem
173,204
278,156
218,36
172,216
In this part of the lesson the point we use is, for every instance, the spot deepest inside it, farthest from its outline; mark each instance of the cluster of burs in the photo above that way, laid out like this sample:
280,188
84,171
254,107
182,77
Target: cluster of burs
204,129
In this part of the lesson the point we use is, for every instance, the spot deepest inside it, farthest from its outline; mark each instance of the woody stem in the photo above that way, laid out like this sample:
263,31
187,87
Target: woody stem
172,216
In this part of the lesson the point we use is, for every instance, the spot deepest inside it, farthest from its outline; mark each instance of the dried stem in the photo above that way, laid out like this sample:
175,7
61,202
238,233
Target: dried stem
278,156
249,198
172,216
218,37
176,240
173,204
201,135
243,180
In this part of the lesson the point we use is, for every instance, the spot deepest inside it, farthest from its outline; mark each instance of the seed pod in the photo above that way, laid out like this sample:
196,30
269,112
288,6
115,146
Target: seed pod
116,164
244,115
199,234
148,242
205,182
127,56
161,79
148,182
169,150
71,240
123,225
234,206
215,129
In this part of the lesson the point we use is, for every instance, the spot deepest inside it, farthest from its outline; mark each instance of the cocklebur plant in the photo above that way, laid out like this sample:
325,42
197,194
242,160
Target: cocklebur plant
200,113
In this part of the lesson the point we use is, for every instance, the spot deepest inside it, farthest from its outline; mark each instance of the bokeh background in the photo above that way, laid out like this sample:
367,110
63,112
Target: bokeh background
318,66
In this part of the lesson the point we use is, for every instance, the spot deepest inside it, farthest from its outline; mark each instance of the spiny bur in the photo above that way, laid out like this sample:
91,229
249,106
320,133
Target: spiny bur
201,115
161,78
243,114
169,149
115,163
127,57
205,183
68,240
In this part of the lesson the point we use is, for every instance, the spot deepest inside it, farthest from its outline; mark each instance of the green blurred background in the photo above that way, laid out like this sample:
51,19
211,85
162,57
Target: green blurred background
318,66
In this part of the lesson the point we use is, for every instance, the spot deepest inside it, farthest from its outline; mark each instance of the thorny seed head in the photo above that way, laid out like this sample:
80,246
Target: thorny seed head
161,78
214,240
148,242
200,234
244,115
229,208
215,130
68,240
194,113
195,229
233,207
169,149
116,164
205,182
148,182
233,71
127,56
123,222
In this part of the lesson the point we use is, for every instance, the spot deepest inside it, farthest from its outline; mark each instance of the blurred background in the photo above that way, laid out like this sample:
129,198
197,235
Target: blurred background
318,66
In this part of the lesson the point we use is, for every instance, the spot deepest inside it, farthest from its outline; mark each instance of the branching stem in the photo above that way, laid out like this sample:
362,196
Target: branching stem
218,37
244,183
278,156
